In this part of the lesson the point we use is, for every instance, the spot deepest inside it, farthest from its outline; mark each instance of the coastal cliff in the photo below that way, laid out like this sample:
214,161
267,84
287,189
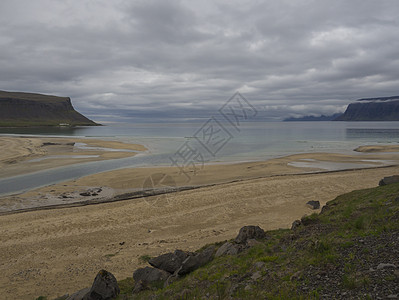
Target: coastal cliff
372,109
27,109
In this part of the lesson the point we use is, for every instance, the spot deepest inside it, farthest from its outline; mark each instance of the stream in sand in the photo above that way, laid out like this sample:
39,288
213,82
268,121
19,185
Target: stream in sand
255,141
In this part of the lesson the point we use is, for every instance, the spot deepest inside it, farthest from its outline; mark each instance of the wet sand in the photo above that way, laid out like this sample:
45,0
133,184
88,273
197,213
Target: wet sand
19,155
58,251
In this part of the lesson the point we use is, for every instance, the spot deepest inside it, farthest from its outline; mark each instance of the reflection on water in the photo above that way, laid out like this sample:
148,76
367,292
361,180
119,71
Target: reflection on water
254,141
44,130
372,133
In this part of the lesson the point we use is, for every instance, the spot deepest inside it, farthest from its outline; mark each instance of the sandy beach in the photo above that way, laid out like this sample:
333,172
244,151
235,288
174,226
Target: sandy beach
19,154
56,251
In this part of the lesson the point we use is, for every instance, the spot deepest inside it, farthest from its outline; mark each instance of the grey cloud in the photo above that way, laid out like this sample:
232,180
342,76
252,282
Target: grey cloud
185,58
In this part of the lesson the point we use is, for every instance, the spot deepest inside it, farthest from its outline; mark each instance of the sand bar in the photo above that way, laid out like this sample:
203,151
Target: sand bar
19,155
378,148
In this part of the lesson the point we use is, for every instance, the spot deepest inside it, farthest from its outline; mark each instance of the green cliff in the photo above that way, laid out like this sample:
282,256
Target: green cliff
27,109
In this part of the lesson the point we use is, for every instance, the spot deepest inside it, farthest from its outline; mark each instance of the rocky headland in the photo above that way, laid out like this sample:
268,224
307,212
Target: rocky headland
27,109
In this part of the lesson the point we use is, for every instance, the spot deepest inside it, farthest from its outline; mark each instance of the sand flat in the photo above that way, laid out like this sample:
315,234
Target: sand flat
21,154
378,148
58,251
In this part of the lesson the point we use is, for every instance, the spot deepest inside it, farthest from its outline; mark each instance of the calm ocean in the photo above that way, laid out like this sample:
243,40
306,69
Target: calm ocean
215,142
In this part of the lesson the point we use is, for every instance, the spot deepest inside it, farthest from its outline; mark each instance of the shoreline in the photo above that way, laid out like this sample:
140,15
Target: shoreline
118,183
57,249
22,153
51,252
159,192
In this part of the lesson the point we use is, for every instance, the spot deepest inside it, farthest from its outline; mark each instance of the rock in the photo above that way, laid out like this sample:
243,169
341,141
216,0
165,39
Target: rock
227,249
256,275
194,261
64,297
252,243
149,275
259,265
389,180
185,294
384,266
104,287
85,194
171,279
296,224
169,262
392,296
249,232
313,204
79,295
139,287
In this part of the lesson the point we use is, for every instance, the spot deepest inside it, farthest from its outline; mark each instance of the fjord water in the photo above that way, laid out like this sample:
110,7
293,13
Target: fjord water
247,142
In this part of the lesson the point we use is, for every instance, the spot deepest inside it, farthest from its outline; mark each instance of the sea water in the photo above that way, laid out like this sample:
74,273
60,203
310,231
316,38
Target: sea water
250,141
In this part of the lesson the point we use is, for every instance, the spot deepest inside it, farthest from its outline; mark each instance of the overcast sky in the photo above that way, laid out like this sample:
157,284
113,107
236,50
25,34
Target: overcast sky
162,59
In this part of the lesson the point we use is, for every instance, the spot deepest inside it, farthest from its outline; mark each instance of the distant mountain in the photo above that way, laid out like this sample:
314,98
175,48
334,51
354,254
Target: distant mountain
313,118
372,109
27,109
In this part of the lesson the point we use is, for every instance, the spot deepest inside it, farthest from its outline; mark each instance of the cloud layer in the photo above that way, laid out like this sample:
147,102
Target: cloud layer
141,60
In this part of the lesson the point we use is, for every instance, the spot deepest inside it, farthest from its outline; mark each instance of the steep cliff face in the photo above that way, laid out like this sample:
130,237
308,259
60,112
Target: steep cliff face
372,109
26,109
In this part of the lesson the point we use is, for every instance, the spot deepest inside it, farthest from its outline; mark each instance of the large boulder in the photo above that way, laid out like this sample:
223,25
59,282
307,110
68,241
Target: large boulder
313,204
389,180
249,232
296,224
169,262
194,261
149,275
79,295
228,249
105,287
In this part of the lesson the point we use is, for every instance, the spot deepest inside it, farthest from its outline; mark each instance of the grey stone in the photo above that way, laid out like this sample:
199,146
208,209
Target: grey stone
384,266
227,249
104,287
64,297
149,275
169,262
296,224
252,242
171,279
249,232
194,261
256,275
389,180
259,265
185,294
79,295
313,204
139,287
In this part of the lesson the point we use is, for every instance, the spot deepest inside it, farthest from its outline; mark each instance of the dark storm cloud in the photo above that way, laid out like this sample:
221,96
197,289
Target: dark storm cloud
185,58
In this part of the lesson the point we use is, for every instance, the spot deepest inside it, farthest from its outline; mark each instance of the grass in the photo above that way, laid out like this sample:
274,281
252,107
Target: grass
144,258
287,255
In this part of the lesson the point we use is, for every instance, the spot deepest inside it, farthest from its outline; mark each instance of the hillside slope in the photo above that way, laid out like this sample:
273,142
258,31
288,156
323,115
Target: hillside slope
26,109
372,109
349,251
